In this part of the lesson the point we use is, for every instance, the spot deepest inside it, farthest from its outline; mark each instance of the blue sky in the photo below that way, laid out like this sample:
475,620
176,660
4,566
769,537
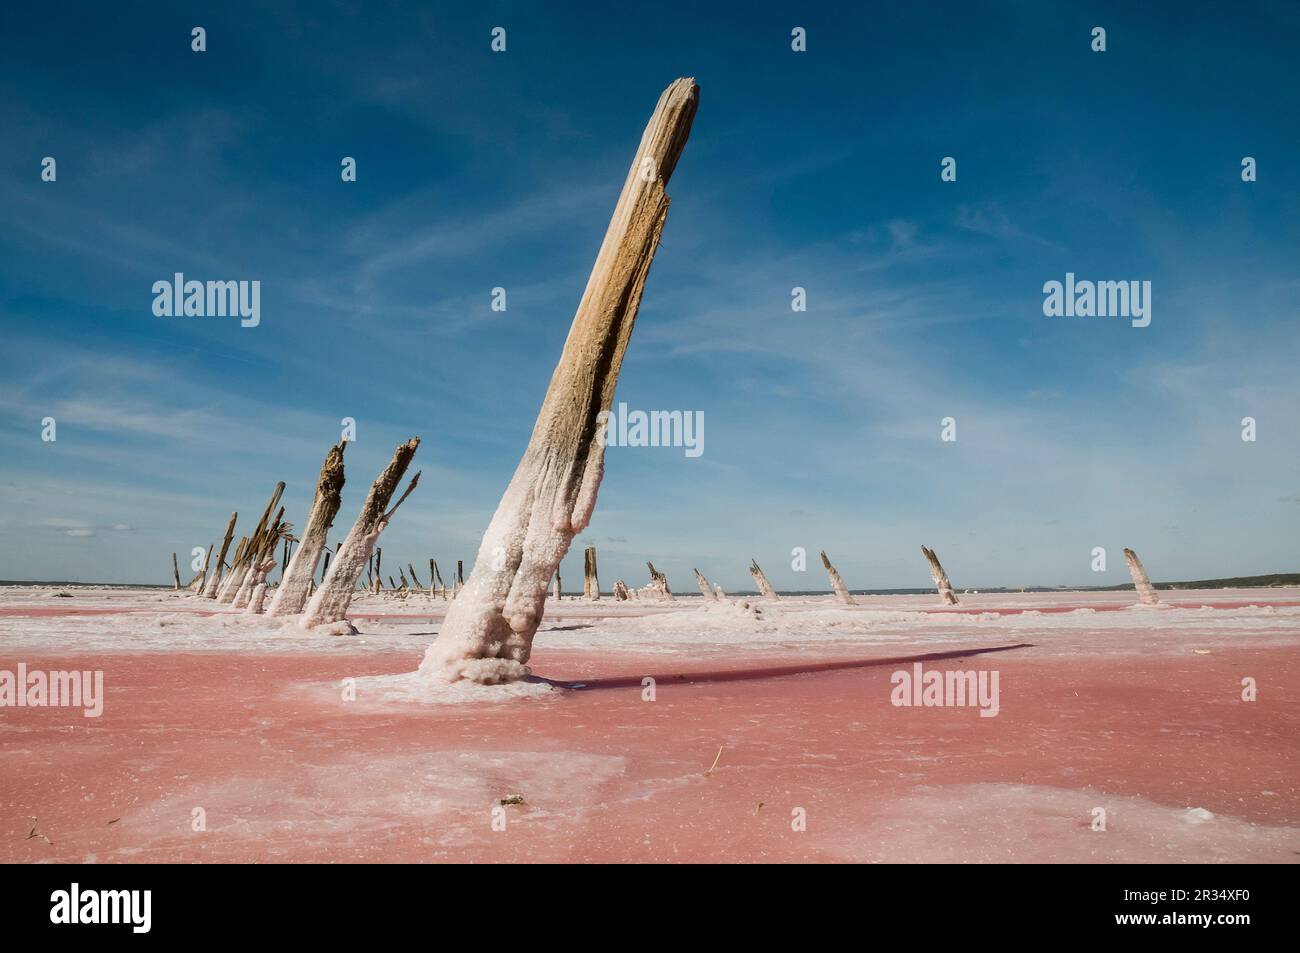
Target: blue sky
818,169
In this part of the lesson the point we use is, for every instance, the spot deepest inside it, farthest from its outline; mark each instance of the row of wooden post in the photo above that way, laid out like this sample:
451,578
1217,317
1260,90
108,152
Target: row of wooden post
247,556
658,587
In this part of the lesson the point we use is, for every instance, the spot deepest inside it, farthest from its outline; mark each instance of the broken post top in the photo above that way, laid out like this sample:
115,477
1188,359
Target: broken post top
381,491
665,136
330,482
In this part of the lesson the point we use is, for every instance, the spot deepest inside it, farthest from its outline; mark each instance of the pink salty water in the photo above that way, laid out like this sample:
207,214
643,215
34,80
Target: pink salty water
787,752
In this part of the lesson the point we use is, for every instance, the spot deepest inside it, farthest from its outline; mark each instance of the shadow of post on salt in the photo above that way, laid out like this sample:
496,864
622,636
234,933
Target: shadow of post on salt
773,671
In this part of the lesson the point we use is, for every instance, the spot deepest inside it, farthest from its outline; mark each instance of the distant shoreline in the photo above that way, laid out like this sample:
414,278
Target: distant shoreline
1267,581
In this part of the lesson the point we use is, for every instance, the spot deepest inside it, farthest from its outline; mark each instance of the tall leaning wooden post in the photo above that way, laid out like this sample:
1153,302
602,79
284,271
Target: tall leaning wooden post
291,595
488,633
329,604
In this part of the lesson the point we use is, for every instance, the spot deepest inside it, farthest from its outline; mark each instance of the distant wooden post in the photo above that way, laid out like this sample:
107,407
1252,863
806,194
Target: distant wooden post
841,591
176,572
590,581
264,547
940,577
260,571
1146,592
659,583
196,584
708,593
214,581
239,569
620,591
235,561
760,578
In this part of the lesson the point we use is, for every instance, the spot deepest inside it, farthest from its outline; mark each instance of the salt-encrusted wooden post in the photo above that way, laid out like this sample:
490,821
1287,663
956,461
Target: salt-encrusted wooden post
239,569
620,591
760,578
705,590
330,602
196,584
841,591
590,581
436,573
558,592
1146,592
659,583
235,562
488,632
291,596
176,572
460,574
261,570
379,559
214,581
415,580
941,583
259,552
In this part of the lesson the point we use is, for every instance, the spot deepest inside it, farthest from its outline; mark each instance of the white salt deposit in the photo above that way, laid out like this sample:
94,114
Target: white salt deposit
163,620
